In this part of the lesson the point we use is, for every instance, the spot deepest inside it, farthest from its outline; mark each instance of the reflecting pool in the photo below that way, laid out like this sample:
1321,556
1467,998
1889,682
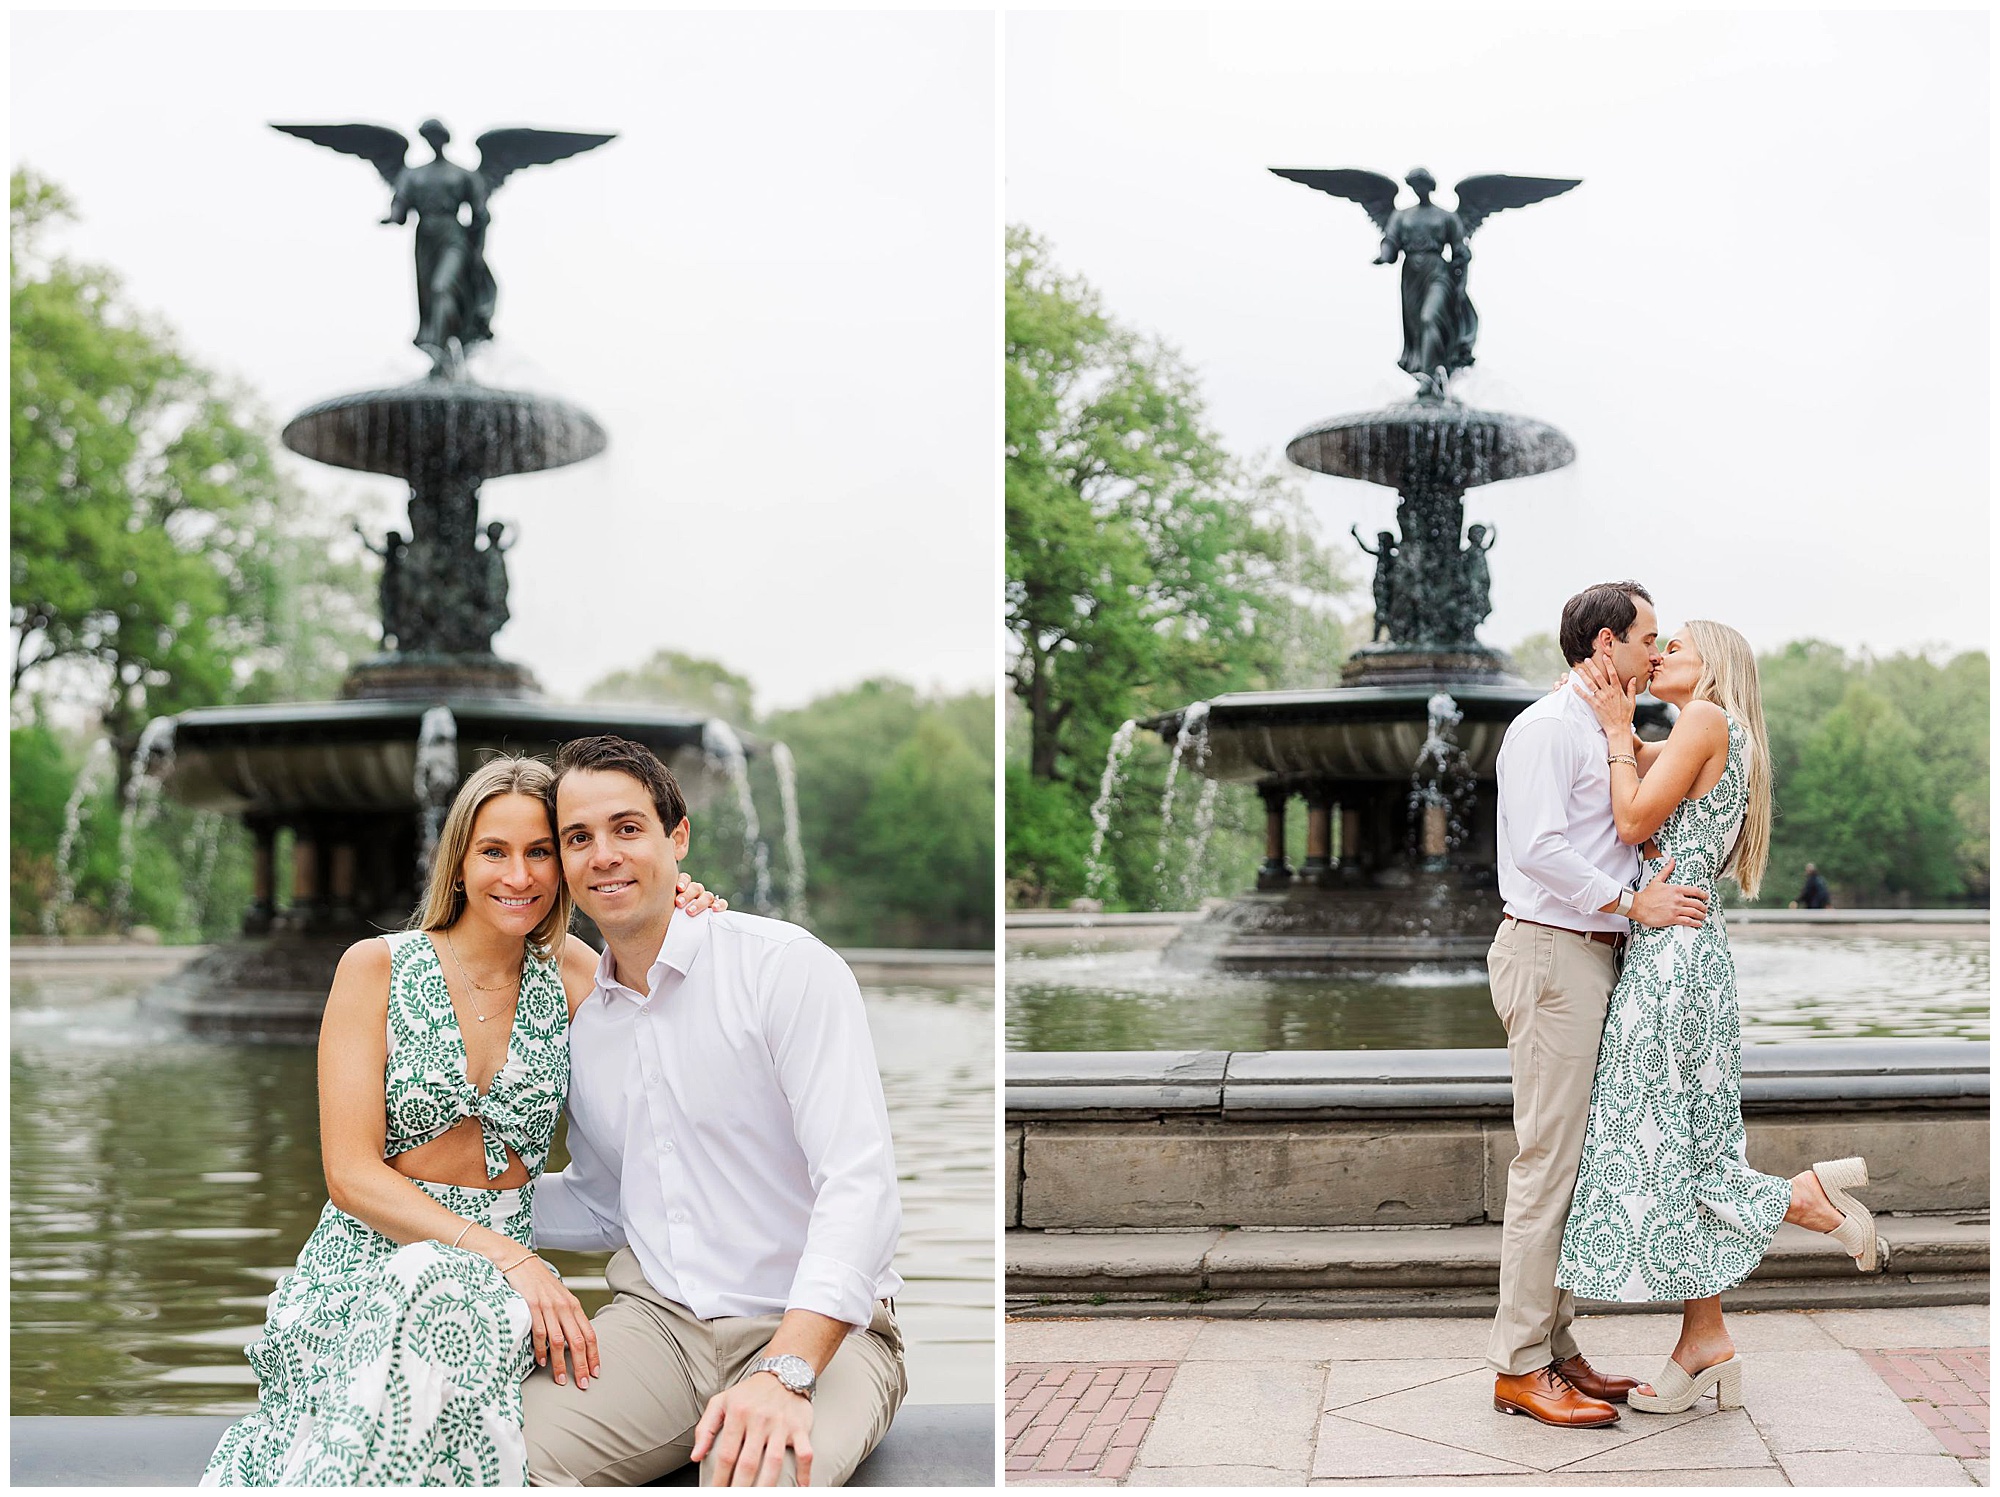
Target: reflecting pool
162,1185
1806,986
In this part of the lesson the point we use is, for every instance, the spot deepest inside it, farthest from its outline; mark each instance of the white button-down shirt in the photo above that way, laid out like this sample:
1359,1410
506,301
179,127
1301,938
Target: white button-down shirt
728,1124
1560,857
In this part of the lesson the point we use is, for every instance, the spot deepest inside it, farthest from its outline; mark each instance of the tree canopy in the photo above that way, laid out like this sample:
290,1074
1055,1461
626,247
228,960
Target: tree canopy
1146,565
158,561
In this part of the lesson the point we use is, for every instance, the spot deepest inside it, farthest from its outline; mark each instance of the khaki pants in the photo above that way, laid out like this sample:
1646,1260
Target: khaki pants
661,1365
1550,988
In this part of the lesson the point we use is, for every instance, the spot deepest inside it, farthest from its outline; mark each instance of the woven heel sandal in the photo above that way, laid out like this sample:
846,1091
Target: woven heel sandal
1856,1232
1675,1389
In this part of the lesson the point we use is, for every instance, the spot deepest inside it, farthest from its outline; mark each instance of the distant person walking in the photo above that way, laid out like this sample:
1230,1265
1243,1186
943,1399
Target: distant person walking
1815,895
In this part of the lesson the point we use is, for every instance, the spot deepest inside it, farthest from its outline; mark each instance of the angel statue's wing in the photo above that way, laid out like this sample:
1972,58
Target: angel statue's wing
503,152
1371,190
377,144
1480,196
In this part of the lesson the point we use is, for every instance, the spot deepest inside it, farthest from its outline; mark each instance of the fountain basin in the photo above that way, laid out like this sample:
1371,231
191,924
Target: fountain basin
1367,732
1415,443
407,431
361,755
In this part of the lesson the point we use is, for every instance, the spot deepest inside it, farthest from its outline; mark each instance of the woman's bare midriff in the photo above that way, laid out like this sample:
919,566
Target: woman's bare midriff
458,1158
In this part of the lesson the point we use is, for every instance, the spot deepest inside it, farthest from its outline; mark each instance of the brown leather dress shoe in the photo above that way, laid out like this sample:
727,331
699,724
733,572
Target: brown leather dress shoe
1546,1394
1605,1385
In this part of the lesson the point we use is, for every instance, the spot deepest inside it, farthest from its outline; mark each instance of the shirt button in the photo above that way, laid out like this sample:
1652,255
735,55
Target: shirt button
669,1146
680,1216
645,1008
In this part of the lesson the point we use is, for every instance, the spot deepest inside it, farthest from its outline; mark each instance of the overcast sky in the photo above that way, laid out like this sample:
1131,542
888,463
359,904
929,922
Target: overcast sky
776,290
1762,319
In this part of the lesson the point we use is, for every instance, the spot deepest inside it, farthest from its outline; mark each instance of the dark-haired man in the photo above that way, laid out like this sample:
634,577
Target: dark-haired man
1568,886
727,1133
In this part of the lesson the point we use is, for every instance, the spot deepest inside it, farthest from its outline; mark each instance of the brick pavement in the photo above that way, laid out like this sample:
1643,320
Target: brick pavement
1075,1420
1946,1389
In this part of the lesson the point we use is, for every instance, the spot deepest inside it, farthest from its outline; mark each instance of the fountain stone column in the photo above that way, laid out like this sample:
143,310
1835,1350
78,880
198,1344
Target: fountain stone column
1275,873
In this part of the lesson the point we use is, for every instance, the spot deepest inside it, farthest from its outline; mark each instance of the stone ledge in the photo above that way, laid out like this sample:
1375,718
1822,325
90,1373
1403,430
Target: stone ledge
1931,1260
1843,1075
929,1445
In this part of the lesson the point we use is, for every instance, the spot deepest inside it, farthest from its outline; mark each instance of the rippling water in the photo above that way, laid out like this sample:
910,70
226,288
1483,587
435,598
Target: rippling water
162,1185
1813,986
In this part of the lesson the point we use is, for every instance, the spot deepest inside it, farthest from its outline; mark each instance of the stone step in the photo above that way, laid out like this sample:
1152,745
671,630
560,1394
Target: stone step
1942,1259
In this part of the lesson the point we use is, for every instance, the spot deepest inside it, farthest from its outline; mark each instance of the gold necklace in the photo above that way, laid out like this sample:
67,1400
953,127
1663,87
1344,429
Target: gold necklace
499,987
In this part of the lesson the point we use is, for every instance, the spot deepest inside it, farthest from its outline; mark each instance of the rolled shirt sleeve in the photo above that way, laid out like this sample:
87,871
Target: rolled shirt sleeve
1533,797
817,1029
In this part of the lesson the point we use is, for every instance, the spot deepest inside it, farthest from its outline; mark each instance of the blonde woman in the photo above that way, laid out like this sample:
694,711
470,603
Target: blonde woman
1666,1205
393,1355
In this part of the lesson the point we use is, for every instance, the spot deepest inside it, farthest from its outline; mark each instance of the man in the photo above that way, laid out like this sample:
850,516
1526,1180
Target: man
1566,883
727,1133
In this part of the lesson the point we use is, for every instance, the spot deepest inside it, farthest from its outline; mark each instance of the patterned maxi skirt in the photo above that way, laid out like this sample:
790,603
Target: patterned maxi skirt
387,1365
1666,1204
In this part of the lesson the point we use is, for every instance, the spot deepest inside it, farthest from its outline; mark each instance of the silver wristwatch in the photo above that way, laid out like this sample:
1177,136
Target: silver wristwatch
795,1373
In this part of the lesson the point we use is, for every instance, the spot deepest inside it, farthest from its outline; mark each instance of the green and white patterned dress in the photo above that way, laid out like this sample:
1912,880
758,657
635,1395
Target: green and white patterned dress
1666,1205
389,1365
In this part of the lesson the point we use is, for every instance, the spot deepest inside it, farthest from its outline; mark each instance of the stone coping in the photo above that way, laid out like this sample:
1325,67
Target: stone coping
929,1445
1801,1075
1061,919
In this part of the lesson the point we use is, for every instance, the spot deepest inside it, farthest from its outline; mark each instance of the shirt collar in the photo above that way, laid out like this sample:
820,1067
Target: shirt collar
686,936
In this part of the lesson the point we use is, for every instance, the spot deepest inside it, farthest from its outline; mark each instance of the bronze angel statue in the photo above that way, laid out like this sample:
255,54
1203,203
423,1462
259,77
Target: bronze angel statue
1439,323
455,290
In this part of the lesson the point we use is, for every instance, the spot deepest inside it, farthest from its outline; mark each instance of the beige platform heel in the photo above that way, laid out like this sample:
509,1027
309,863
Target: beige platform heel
1675,1389
1856,1232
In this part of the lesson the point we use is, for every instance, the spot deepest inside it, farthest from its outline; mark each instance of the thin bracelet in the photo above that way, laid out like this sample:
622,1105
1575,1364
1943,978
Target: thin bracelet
461,1234
1623,759
517,1263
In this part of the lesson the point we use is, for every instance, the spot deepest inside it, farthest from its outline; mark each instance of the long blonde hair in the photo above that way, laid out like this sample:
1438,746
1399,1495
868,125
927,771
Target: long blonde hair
444,900
1729,679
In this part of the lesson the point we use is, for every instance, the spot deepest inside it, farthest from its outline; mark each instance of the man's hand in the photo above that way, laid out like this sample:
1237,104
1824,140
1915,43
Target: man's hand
750,1427
1661,903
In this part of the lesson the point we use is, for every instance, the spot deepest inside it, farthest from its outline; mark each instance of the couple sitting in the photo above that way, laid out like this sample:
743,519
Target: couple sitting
727,1134
1618,993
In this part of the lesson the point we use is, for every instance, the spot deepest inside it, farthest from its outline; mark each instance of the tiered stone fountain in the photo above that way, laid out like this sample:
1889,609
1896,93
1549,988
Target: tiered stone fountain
1395,765
358,787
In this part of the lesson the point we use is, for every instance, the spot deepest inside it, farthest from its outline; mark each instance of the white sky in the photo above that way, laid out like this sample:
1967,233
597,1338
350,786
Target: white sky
1763,318
776,291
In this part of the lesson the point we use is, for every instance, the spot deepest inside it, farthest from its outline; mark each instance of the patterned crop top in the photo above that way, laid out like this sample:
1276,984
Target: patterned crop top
425,1084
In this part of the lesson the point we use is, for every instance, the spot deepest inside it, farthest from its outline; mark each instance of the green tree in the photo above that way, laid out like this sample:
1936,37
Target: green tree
926,845
1137,554
158,560
1864,798
1146,567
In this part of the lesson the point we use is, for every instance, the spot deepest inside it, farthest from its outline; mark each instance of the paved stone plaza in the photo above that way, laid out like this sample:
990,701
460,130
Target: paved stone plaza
1834,1398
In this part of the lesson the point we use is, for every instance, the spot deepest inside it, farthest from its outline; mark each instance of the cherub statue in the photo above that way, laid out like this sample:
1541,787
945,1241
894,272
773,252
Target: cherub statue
1439,323
493,579
1385,554
1475,578
455,290
393,552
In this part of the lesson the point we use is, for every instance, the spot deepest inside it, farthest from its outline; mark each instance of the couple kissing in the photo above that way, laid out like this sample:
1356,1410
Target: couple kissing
728,1138
1613,977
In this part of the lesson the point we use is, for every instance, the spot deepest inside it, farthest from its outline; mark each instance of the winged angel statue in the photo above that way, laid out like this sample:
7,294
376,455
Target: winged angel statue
455,290
1439,324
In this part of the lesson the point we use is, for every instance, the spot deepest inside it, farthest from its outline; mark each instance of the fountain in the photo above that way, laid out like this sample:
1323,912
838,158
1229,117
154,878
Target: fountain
1396,763
359,787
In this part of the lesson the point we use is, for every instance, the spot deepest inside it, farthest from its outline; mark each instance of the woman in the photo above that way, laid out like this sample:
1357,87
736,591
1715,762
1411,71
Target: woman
393,1355
1666,1206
